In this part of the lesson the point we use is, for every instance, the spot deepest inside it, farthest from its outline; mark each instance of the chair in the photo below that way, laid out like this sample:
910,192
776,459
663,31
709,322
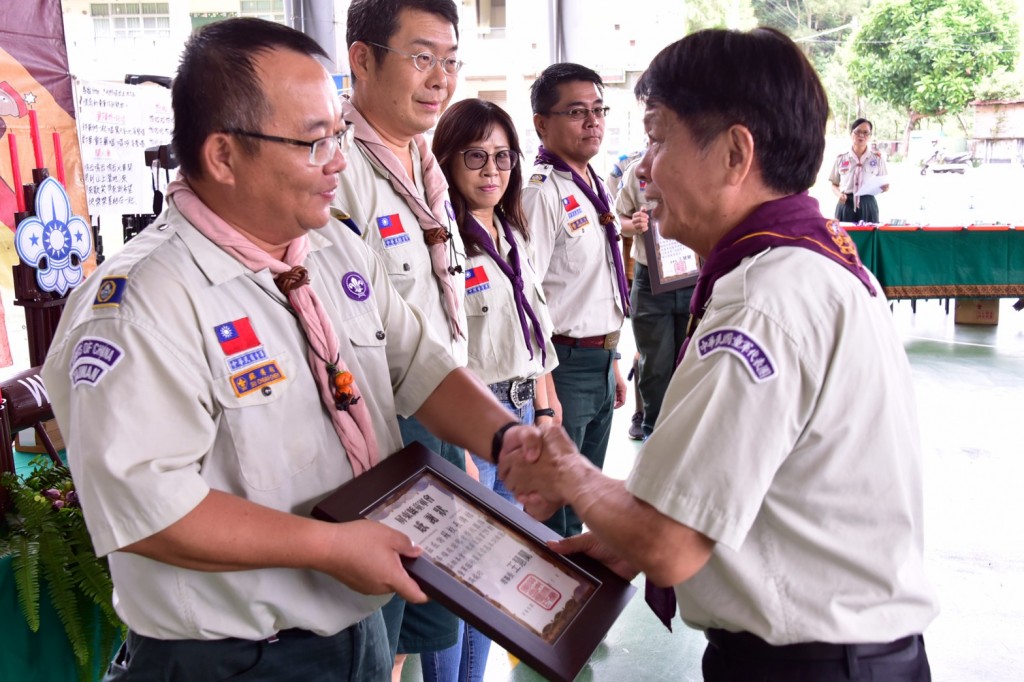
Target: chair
25,404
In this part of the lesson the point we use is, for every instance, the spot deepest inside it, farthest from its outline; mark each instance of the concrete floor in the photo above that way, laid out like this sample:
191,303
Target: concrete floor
969,382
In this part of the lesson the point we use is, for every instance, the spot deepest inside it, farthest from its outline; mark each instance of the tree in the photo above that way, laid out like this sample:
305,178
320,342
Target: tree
928,57
820,26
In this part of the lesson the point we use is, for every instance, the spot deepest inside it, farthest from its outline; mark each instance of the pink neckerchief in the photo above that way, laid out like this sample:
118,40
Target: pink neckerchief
858,175
353,425
431,213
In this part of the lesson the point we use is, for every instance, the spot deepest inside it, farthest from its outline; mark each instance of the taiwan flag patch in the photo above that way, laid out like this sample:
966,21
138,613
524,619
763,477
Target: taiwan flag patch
570,203
391,230
236,336
476,280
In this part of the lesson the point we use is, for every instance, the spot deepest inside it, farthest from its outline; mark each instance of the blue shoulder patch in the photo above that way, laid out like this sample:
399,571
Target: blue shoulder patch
741,344
110,293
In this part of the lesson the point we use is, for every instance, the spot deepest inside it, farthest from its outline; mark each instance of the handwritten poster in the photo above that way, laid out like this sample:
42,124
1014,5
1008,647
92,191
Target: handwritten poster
116,124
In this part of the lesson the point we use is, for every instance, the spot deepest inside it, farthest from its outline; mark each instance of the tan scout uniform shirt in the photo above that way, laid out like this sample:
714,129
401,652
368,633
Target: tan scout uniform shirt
630,199
573,255
159,404
770,443
497,350
390,228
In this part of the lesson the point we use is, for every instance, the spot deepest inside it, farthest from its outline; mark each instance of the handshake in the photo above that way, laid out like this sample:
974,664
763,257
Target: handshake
545,471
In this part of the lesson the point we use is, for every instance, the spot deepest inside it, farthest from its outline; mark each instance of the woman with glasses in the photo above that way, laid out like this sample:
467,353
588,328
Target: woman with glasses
476,145
852,171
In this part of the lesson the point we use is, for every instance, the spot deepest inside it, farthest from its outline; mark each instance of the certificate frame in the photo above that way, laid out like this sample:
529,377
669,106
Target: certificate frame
682,274
578,635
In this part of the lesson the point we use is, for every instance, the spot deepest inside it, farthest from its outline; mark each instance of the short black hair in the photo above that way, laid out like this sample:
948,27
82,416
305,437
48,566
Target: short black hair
217,87
544,91
461,125
853,126
759,79
375,21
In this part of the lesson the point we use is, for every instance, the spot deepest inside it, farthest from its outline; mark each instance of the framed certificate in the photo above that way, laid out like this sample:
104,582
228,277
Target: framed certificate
670,264
487,560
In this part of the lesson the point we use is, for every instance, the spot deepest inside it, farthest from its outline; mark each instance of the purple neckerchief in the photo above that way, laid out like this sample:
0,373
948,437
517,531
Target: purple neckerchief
514,271
603,203
794,220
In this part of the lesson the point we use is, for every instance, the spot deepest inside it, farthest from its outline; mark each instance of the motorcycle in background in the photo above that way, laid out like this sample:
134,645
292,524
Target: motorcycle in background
940,162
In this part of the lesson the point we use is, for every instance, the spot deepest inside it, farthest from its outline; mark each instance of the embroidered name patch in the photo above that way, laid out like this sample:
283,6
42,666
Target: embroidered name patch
476,280
742,345
246,359
236,336
355,285
391,230
579,224
110,292
92,359
256,378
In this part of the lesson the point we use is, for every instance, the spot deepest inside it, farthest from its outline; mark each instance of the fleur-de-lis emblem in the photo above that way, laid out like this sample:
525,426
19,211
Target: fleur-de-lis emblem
48,240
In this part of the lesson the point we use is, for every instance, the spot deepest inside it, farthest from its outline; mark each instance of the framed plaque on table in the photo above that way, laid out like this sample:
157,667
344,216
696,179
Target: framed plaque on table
487,561
670,264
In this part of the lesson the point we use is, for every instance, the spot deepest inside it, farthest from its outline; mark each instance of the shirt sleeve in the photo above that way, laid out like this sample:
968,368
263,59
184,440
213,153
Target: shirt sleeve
544,220
725,426
833,177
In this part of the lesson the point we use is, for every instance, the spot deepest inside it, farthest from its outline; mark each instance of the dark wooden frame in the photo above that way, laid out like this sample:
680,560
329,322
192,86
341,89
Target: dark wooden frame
660,283
561,660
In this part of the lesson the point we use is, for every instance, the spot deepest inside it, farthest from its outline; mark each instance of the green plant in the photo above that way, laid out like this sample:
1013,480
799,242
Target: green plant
45,535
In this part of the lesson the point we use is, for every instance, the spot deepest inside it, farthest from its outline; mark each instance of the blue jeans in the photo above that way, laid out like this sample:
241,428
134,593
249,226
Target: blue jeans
659,327
356,654
585,384
475,644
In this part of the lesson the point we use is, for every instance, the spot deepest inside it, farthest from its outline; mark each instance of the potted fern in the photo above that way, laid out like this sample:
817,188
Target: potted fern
44,533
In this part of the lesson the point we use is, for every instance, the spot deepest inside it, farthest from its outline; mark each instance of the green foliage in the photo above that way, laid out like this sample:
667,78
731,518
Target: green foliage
45,535
820,26
1001,84
926,57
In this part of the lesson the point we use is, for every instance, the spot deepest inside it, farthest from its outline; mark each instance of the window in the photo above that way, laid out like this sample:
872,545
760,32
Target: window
121,21
271,10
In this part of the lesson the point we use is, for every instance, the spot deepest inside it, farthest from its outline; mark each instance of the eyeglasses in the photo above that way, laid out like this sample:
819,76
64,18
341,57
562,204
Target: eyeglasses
475,159
425,61
581,113
321,150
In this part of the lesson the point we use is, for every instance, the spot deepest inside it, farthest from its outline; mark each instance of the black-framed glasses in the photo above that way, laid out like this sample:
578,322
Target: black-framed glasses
581,113
321,150
425,61
504,159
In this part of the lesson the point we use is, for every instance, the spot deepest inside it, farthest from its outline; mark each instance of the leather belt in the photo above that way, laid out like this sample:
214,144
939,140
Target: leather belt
606,341
749,645
516,391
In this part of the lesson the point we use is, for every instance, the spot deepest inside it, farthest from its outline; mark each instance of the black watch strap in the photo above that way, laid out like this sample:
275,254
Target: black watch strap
544,412
499,440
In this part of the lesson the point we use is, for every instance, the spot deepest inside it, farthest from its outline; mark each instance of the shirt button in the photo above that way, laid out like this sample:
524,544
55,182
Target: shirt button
380,336
267,390
484,309
406,267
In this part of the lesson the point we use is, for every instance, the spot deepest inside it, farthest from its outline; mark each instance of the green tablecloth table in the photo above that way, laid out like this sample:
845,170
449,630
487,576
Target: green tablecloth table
913,262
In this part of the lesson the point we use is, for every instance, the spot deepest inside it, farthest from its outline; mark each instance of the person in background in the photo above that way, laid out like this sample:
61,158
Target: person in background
573,227
780,498
659,320
264,363
510,347
852,170
404,60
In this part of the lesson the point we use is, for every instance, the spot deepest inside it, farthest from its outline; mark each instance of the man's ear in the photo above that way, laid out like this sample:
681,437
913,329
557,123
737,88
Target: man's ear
540,124
218,156
361,60
739,144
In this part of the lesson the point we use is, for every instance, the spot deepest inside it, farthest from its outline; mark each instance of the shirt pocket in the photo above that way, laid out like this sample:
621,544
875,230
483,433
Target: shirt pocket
481,309
265,415
574,247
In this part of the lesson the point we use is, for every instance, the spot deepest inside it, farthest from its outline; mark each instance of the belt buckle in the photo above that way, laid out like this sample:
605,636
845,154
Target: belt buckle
513,393
611,341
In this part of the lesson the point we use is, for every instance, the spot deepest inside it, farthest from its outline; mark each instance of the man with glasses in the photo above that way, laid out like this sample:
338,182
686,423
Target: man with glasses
404,60
576,237
264,364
